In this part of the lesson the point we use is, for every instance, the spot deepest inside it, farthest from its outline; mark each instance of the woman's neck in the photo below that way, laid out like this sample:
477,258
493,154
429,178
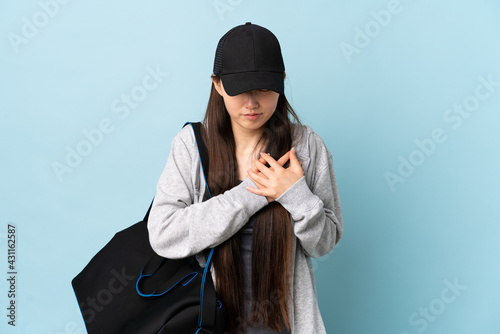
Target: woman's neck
245,141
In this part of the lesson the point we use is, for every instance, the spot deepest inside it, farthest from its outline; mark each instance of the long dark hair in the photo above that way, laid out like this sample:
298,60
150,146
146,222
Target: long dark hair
272,231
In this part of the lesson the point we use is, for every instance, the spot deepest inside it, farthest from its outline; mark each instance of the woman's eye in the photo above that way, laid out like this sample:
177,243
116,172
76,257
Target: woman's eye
264,90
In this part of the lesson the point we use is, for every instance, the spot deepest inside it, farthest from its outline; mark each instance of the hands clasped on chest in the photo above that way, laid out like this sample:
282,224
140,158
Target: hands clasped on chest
274,180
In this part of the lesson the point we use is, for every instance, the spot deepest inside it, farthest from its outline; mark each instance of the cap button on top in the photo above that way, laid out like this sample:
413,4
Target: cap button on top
248,23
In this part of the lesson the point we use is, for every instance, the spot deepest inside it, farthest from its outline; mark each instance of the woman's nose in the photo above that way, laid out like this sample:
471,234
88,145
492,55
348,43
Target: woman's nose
251,100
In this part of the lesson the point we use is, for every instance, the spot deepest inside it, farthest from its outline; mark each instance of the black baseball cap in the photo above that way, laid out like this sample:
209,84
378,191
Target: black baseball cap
249,57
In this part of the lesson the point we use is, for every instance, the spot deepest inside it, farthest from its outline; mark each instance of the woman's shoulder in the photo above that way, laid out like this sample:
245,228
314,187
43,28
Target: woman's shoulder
304,136
185,135
309,144
184,142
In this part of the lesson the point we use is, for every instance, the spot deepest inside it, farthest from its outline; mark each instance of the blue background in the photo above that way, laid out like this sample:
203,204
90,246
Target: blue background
403,245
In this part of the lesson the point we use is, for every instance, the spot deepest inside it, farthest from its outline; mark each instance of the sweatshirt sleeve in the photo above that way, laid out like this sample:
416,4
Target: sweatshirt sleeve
315,208
178,227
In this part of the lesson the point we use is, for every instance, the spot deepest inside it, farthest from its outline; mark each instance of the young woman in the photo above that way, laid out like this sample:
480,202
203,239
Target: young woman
274,203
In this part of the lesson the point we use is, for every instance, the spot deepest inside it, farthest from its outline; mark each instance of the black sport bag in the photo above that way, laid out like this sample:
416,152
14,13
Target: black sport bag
127,288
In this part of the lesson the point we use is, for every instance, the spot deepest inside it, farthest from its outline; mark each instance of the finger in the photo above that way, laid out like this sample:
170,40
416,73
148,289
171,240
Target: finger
254,168
263,161
259,191
262,192
284,158
259,185
257,171
257,178
270,160
262,168
254,190
281,161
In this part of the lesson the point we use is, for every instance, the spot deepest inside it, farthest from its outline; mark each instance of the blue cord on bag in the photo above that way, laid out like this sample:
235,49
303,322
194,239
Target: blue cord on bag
207,268
191,276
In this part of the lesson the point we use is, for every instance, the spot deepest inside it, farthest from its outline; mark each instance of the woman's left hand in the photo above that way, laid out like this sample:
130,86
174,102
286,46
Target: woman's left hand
273,181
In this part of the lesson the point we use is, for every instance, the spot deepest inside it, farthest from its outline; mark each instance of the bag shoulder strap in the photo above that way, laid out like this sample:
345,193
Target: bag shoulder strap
208,298
203,152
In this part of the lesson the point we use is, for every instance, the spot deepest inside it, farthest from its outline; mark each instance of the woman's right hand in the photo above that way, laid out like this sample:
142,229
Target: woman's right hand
281,161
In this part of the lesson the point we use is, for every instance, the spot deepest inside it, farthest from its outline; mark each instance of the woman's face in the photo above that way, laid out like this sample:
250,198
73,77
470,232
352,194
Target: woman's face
249,110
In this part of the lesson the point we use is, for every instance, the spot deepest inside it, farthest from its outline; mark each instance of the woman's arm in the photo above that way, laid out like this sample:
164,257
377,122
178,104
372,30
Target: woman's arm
315,208
178,227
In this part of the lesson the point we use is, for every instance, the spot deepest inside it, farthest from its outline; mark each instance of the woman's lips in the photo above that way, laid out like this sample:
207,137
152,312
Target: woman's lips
252,116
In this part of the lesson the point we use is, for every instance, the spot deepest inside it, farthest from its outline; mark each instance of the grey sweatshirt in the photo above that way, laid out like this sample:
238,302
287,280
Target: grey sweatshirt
181,224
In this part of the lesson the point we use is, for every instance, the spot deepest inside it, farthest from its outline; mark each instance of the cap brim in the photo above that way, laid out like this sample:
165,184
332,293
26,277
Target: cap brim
237,83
